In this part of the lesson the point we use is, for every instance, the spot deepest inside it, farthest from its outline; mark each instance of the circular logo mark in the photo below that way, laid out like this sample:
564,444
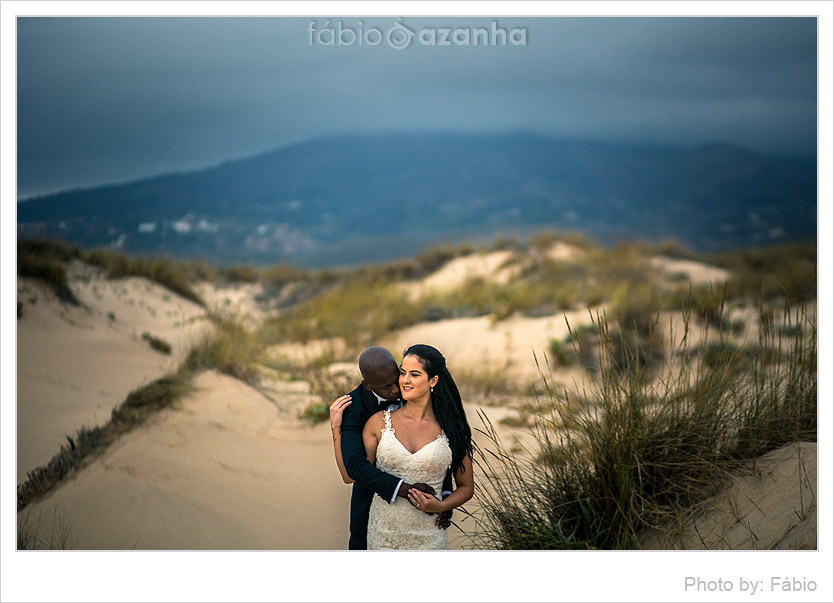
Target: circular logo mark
399,36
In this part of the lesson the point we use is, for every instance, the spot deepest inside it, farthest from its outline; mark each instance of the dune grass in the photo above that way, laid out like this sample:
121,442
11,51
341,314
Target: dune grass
357,311
645,445
134,410
361,305
30,536
771,273
157,343
229,348
169,273
45,260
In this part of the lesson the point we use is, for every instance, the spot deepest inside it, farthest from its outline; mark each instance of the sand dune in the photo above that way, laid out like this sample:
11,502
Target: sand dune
228,468
233,467
562,251
485,348
486,265
696,272
237,299
224,470
773,507
74,364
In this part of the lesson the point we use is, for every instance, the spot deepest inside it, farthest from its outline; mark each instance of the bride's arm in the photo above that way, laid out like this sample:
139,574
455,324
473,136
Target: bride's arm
462,493
336,411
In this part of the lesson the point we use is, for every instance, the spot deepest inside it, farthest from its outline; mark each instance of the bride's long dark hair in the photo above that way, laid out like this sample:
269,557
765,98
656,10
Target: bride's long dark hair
446,402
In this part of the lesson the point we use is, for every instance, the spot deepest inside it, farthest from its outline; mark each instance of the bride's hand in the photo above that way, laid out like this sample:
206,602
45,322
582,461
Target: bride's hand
336,410
425,502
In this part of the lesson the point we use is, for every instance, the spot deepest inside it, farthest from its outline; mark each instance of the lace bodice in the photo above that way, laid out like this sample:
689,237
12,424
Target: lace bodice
399,525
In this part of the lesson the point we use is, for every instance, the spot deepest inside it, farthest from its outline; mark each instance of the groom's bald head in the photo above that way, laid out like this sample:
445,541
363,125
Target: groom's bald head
380,372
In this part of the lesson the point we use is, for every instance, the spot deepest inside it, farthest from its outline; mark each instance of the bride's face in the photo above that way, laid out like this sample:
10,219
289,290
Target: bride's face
414,381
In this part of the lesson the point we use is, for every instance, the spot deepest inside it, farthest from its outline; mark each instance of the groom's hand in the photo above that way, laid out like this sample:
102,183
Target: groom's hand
443,520
404,488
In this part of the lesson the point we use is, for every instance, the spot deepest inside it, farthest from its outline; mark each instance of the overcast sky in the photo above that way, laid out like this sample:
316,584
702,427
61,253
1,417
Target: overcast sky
111,99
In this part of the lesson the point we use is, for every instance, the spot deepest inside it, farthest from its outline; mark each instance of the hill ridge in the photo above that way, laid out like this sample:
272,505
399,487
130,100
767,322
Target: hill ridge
354,198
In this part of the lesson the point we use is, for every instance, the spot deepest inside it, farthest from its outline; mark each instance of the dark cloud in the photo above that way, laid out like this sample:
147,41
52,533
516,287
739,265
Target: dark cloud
103,99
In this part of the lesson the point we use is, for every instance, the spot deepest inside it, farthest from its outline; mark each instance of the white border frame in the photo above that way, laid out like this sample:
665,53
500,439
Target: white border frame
464,576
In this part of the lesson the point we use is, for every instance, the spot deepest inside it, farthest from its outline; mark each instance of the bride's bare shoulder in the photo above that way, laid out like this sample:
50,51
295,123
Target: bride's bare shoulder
376,420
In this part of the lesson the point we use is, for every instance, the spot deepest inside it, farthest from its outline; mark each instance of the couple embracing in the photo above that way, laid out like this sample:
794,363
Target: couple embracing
403,435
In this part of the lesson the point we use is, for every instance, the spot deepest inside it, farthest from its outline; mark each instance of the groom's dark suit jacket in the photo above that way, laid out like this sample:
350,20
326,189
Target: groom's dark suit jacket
366,477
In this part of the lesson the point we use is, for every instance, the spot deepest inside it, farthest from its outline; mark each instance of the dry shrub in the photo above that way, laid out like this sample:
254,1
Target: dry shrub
644,445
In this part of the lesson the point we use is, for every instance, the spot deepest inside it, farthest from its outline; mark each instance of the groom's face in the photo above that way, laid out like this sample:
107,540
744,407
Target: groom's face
385,383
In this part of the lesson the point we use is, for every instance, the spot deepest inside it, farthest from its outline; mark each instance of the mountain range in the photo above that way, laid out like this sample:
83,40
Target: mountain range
371,197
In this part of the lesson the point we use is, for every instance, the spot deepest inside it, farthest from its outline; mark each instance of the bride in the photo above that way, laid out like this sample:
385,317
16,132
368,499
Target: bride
420,442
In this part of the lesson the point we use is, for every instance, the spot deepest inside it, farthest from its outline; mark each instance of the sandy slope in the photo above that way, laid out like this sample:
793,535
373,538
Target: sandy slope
225,470
483,348
228,468
696,272
478,265
562,251
238,300
774,506
74,364
495,266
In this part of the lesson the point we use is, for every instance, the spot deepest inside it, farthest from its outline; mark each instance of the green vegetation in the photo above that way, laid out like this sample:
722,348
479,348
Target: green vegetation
281,274
141,403
169,273
646,446
362,304
230,349
356,311
160,345
559,352
45,260
316,413
771,273
241,274
327,386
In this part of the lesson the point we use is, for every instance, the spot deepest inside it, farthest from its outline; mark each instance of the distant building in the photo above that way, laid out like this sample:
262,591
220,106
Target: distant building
206,226
182,226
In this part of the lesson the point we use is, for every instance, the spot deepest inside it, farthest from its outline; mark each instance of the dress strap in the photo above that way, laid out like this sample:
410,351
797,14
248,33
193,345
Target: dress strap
387,415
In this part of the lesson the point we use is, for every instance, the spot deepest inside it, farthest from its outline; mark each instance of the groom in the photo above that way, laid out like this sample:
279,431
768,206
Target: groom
380,388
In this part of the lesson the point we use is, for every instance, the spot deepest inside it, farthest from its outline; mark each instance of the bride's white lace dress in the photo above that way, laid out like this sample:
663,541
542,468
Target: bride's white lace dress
399,525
